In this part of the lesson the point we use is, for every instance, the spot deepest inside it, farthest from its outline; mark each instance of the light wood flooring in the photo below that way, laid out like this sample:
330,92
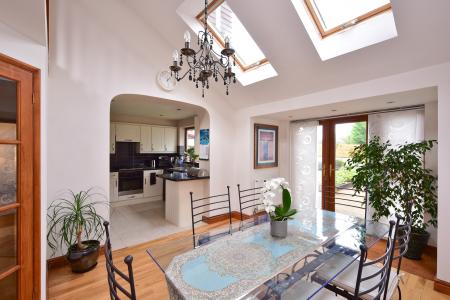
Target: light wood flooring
150,282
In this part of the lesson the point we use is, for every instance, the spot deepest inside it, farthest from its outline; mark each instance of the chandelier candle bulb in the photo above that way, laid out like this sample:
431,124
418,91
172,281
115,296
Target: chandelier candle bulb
175,56
187,37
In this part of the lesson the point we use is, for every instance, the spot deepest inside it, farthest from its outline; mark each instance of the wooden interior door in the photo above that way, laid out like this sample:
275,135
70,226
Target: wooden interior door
332,192
17,211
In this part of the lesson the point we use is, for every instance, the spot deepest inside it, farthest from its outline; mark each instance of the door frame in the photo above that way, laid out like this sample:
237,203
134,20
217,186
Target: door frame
36,123
329,157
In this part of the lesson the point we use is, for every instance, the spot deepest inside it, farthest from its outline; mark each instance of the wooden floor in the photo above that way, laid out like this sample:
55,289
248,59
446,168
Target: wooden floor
150,282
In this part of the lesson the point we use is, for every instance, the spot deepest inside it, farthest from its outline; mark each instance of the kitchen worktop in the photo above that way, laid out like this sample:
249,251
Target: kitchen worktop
177,176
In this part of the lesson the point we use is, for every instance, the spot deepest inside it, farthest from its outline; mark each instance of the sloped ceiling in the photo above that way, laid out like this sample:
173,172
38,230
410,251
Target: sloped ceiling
27,17
423,40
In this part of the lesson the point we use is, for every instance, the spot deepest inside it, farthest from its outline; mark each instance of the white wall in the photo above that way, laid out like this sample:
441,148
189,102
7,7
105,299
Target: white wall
96,54
438,76
28,51
431,158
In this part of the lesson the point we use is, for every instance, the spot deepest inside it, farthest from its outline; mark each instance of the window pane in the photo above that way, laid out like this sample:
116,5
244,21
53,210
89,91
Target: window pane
8,240
190,138
8,174
8,109
348,137
8,287
333,13
225,23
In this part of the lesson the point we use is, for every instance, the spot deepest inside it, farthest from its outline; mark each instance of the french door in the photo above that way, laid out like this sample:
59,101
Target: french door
339,137
18,253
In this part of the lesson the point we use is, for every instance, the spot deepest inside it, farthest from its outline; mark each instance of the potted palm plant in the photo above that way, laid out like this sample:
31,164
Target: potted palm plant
73,222
279,214
396,180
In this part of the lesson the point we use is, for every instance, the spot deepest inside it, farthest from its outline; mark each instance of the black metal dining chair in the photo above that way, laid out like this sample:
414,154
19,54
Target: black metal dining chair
249,202
363,279
211,207
402,236
114,286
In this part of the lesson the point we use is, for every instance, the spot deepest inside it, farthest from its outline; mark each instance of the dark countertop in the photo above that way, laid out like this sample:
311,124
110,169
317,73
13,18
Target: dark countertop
177,176
139,168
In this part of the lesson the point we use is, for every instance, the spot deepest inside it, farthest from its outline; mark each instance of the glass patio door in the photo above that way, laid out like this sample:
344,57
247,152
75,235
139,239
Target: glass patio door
339,138
16,183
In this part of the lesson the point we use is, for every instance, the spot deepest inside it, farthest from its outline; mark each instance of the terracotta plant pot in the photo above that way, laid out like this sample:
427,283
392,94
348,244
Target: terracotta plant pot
278,228
83,260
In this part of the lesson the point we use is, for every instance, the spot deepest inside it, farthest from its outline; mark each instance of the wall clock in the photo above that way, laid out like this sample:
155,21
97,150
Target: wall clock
166,81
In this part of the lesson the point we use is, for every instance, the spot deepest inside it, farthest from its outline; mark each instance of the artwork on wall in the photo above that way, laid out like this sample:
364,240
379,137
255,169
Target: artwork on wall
266,146
204,144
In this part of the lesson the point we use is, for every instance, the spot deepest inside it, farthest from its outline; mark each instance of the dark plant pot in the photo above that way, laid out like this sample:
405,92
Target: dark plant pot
83,260
417,243
278,228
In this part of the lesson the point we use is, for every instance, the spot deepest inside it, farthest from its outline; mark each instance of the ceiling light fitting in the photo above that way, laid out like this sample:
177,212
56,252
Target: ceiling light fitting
205,64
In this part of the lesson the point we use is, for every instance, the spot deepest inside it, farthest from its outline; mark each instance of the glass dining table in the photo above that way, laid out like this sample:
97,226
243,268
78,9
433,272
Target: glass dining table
248,263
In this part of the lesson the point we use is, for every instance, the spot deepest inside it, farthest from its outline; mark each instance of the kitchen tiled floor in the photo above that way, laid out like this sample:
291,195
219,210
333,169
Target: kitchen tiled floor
139,223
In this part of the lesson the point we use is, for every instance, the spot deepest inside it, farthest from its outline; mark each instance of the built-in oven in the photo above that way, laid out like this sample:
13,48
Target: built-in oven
131,181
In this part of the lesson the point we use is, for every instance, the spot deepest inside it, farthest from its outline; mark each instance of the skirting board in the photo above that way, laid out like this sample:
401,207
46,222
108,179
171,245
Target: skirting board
442,286
234,215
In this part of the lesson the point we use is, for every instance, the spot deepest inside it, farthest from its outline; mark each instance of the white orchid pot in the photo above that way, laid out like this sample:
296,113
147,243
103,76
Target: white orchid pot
278,228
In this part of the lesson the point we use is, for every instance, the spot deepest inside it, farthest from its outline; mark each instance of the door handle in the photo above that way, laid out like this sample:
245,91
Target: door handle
145,181
116,182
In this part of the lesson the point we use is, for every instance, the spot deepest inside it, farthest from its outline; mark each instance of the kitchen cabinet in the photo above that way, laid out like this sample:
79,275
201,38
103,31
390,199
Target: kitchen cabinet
128,132
153,190
146,139
113,186
170,139
112,138
158,144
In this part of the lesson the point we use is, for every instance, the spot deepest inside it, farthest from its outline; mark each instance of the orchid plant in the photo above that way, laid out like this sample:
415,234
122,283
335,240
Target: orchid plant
280,212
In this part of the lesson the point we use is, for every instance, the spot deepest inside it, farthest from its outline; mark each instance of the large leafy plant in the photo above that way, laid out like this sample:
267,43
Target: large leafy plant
280,212
396,180
74,217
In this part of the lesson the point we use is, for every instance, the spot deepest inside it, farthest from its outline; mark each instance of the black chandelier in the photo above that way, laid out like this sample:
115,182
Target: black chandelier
205,64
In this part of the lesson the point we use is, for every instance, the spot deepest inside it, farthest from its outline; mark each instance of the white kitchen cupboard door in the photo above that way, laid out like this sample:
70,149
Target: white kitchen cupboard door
146,139
128,133
112,138
114,187
158,139
170,139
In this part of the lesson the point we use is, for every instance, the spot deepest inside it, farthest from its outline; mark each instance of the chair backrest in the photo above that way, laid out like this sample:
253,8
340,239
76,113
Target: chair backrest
249,200
402,237
112,270
378,279
210,207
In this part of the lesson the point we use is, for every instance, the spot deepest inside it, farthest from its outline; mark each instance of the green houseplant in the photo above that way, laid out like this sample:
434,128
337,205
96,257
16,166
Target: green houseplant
279,214
190,152
397,181
73,222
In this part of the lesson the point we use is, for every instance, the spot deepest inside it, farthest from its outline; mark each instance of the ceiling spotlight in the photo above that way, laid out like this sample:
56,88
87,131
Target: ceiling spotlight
333,110
390,102
178,109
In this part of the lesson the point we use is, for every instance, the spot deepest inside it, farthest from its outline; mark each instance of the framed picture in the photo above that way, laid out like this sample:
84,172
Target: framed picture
204,144
266,146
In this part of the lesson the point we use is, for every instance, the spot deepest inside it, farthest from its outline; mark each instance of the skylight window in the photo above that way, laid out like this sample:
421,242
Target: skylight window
224,23
337,27
332,16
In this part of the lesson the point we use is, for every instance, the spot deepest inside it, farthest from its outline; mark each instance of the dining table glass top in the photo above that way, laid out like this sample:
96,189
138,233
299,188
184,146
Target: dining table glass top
244,263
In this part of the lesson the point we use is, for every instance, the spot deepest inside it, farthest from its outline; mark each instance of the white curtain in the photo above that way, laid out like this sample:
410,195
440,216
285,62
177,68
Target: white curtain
304,163
398,127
